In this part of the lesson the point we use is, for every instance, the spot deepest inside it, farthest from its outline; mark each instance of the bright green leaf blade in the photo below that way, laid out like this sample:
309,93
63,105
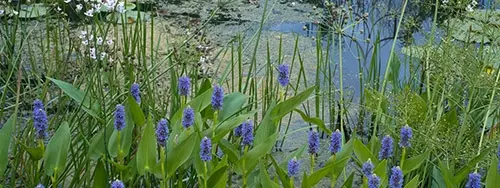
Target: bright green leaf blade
464,171
100,180
136,111
233,103
88,104
126,136
493,177
285,107
146,153
96,148
57,151
179,154
412,183
381,171
363,153
217,176
227,126
285,181
5,137
348,181
314,178
314,120
414,163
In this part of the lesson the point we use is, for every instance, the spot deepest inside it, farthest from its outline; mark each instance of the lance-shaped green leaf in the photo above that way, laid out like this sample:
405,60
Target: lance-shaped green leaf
126,135
5,137
233,103
146,154
412,183
136,111
100,180
493,177
88,104
179,154
314,120
414,163
363,153
288,105
57,151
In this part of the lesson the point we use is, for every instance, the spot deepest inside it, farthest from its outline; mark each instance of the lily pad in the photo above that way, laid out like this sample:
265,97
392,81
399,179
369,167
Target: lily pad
128,6
128,17
33,11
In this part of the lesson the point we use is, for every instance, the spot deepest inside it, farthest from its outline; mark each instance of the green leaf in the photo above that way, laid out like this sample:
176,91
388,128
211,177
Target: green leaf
381,172
136,111
414,163
126,135
446,175
198,104
35,153
88,104
412,183
305,181
96,148
265,180
416,109
314,120
5,137
146,153
464,171
100,180
179,154
57,151
256,153
230,150
493,177
285,107
363,153
348,181
285,181
233,103
372,99
314,178
217,177
227,126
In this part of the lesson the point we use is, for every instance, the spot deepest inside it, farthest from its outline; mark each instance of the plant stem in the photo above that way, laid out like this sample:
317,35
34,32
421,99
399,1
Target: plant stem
244,170
312,164
333,172
403,157
206,175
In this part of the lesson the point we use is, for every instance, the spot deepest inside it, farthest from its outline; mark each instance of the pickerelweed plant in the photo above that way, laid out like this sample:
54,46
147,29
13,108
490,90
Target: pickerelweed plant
89,99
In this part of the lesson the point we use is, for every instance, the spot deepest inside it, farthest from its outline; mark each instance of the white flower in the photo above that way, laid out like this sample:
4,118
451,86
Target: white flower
469,8
67,1
474,3
110,59
92,53
1,12
79,7
110,42
59,9
89,13
92,50
446,1
120,8
15,12
99,40
111,3
103,55
97,7
91,37
85,42
83,34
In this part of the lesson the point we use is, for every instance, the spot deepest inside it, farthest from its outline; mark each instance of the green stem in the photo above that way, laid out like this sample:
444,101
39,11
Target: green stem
487,115
162,164
244,170
206,175
216,114
291,181
333,173
403,157
312,164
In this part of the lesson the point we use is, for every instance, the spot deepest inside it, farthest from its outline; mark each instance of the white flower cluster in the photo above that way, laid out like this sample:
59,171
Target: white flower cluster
87,39
95,6
470,7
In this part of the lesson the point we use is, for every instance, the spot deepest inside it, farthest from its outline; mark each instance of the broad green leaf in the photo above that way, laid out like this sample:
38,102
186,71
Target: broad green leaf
146,153
381,171
363,153
449,120
314,178
314,120
5,137
416,109
233,103
136,111
285,181
230,150
88,104
437,178
218,176
126,135
412,183
198,104
305,182
100,180
57,151
414,163
35,153
446,175
256,153
227,126
348,181
179,154
493,177
265,180
266,128
285,107
374,144
96,148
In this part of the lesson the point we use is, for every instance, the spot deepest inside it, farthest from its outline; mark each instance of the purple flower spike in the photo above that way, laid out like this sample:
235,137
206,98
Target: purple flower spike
238,130
367,168
217,98
136,93
188,117
184,86
406,135
162,132
336,142
396,179
40,121
474,180
293,167
119,117
283,75
373,181
313,142
387,148
117,184
37,104
206,149
40,186
247,133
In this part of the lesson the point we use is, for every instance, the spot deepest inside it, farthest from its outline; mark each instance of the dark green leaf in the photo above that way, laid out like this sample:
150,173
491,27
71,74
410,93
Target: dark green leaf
381,172
412,183
415,162
136,111
217,176
57,151
314,120
146,153
179,154
348,181
100,175
493,177
233,103
285,181
5,137
363,153
230,150
285,107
